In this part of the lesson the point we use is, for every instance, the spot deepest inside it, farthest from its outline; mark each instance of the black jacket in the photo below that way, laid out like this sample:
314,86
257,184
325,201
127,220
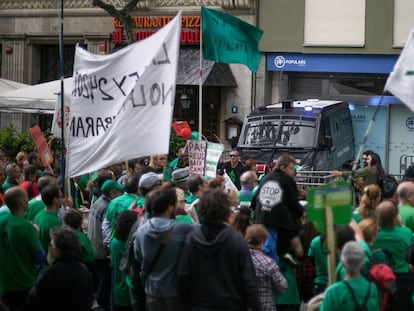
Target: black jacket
276,202
233,172
66,285
216,271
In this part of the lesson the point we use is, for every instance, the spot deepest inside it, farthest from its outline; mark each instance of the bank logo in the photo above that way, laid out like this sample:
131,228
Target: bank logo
410,123
280,61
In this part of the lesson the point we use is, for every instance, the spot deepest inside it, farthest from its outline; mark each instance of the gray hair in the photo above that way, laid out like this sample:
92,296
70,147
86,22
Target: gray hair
248,178
352,257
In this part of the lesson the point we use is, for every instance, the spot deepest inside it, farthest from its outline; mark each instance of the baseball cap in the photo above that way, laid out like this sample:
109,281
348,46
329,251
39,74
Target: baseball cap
149,180
109,185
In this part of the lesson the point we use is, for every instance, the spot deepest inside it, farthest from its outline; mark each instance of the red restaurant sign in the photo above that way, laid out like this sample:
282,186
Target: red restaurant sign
147,25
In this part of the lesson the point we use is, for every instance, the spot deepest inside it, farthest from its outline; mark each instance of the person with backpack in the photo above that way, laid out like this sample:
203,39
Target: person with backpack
354,292
158,246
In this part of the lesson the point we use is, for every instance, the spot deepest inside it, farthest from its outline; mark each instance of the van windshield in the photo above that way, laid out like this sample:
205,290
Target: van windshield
279,133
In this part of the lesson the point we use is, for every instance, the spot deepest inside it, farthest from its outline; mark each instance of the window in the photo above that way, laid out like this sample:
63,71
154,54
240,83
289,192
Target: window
403,21
278,133
335,23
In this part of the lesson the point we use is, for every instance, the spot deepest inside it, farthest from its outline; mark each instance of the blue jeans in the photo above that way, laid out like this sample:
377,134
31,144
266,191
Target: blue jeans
270,244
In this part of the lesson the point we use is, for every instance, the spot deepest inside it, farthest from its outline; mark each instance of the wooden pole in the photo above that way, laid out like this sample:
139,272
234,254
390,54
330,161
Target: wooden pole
330,238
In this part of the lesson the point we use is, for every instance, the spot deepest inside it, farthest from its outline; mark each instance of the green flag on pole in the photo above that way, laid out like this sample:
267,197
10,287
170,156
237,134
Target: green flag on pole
227,39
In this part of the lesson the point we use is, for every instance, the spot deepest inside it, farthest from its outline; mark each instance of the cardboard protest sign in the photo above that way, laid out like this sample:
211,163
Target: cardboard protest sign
41,145
197,156
338,196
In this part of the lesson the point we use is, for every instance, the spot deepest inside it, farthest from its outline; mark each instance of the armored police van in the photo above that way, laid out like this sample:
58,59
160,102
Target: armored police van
318,133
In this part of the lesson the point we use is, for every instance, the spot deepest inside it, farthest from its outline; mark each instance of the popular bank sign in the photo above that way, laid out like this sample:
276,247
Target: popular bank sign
347,63
147,25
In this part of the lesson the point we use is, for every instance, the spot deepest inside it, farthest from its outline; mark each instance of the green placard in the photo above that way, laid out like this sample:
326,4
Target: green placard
337,195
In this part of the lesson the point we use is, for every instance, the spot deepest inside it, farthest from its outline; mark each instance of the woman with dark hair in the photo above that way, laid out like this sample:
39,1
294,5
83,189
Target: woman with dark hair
376,162
241,219
216,271
67,283
368,175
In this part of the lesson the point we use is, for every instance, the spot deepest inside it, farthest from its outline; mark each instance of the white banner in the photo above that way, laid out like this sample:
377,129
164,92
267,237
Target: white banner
213,155
122,103
401,80
57,118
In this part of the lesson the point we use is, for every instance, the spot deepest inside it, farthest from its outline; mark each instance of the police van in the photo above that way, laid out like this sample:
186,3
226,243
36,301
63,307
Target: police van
318,133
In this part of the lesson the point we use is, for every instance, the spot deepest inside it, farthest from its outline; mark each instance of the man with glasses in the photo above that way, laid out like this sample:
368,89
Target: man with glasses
234,168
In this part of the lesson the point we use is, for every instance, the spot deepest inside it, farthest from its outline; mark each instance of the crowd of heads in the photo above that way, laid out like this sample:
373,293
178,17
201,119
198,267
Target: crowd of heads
216,204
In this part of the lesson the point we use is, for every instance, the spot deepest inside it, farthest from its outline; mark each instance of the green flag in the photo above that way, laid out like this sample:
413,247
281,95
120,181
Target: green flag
227,39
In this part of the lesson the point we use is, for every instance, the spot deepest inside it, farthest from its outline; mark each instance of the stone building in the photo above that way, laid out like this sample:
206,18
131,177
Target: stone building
29,41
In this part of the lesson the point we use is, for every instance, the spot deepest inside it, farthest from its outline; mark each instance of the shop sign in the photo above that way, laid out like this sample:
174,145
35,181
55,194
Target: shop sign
145,26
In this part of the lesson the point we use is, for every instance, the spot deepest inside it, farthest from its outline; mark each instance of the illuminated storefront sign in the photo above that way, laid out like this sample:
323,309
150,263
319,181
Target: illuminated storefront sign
147,25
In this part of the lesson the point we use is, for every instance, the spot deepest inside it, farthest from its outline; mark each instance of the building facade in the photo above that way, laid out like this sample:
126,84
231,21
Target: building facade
29,41
342,50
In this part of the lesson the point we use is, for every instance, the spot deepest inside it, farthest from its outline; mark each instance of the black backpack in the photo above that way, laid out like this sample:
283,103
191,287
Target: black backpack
388,185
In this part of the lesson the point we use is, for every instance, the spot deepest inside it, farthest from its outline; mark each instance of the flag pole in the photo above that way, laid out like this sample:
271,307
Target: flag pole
200,85
62,104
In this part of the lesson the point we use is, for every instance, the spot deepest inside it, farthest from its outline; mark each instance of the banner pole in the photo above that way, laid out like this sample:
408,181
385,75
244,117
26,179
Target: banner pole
200,85
62,103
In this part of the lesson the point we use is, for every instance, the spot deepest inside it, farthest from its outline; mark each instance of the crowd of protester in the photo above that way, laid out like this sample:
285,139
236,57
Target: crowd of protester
148,235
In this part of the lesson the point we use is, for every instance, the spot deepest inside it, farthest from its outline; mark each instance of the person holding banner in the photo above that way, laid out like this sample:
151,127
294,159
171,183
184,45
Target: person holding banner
234,168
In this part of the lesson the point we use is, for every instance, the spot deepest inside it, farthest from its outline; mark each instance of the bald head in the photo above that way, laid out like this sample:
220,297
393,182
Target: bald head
405,193
16,200
248,179
387,212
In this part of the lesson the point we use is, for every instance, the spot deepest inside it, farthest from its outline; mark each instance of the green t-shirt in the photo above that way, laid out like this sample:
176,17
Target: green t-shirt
35,207
318,252
338,296
184,218
395,243
86,247
118,205
245,200
4,211
378,256
291,296
46,220
356,217
9,183
190,198
120,287
18,244
406,213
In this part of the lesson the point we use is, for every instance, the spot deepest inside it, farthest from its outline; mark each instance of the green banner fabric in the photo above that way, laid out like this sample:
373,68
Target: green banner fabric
228,39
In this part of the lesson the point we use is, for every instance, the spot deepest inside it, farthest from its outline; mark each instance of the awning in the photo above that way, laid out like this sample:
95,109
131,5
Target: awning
213,74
